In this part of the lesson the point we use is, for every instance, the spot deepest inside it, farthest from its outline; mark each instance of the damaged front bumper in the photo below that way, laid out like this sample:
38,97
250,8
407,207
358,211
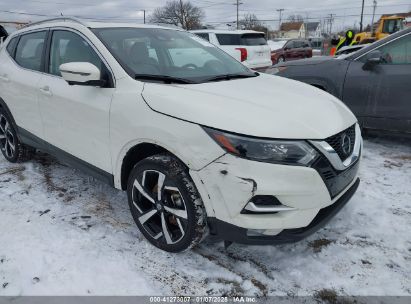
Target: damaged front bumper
229,184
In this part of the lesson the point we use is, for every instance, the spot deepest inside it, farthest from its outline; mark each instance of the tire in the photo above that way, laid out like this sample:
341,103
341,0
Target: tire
281,59
174,221
11,147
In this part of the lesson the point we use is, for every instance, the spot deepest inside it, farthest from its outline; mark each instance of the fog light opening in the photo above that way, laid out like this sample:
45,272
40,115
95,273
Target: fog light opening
265,204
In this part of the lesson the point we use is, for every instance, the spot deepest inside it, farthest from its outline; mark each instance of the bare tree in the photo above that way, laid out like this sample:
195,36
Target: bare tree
179,13
296,18
251,22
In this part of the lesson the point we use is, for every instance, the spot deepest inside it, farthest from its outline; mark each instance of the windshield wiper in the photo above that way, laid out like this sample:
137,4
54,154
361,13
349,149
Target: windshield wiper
164,78
231,76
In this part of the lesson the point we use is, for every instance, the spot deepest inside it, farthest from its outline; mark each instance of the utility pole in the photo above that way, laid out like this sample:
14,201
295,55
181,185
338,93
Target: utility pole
144,11
362,16
331,23
238,3
373,16
280,11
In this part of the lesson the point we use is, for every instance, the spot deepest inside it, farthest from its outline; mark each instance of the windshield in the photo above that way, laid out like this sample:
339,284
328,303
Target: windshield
168,54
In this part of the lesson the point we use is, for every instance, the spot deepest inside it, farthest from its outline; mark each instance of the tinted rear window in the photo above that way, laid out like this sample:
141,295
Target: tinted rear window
29,51
244,39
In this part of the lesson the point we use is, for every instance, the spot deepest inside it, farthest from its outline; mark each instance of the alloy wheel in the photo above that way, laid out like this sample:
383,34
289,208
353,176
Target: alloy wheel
161,208
7,139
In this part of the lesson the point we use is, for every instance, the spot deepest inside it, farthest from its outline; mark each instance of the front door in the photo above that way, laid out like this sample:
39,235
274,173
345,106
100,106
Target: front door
383,92
76,117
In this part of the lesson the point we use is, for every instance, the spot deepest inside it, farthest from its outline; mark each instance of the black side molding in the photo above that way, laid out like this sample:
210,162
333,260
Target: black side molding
32,140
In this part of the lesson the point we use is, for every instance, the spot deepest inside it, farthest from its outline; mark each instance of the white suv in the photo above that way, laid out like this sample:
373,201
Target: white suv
201,144
249,47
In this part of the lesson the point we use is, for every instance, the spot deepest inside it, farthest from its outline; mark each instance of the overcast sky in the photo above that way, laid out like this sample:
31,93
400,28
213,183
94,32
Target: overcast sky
218,12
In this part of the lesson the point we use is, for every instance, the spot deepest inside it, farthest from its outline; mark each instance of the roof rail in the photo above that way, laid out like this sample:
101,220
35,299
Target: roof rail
62,18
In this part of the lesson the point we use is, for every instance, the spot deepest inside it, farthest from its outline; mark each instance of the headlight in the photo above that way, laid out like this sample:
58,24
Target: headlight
287,152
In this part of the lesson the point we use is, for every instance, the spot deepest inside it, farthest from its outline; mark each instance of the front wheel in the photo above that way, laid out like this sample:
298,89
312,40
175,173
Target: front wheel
165,203
11,147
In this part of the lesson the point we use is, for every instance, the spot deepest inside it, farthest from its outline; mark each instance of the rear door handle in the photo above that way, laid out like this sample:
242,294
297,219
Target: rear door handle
46,91
4,78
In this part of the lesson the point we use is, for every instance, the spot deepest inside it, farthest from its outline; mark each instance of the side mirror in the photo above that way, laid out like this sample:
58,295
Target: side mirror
374,58
81,73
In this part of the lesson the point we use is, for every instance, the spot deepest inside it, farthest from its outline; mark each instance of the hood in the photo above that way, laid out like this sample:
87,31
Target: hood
308,61
264,106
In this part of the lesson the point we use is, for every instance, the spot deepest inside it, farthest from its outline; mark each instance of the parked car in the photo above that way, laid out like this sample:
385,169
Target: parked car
293,49
248,47
373,82
201,144
317,45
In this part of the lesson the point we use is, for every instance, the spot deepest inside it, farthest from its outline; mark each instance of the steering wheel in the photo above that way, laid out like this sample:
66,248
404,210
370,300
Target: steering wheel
191,66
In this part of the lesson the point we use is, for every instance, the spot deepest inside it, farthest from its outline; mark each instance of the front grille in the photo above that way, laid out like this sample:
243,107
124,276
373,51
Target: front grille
336,142
336,181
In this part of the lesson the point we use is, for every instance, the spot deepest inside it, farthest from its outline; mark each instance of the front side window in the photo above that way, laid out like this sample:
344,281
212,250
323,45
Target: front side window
67,47
29,52
397,52
290,45
168,53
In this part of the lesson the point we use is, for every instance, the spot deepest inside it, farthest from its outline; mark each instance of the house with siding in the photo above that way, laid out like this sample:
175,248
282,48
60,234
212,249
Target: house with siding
292,30
313,29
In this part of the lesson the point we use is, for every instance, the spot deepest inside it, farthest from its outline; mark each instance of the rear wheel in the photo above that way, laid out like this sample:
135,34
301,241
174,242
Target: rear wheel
165,203
11,147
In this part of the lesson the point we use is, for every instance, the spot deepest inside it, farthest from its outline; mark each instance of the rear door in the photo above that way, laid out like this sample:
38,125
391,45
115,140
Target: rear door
22,67
258,53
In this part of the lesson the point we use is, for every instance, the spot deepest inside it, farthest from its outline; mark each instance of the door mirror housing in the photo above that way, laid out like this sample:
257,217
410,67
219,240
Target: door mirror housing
81,73
374,58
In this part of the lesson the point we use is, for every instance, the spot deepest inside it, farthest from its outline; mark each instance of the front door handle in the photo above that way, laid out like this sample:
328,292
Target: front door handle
46,91
4,78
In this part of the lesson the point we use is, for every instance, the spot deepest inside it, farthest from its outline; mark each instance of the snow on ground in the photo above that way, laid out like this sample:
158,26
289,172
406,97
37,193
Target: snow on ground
62,233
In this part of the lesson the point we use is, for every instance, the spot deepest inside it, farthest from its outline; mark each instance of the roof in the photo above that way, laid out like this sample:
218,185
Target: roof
397,15
311,26
291,26
87,23
239,32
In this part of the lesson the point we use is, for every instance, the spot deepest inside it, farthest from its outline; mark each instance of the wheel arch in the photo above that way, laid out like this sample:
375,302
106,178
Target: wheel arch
4,106
136,153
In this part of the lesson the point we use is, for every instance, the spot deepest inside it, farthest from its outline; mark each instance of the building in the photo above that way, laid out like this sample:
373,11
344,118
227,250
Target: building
292,30
408,21
312,29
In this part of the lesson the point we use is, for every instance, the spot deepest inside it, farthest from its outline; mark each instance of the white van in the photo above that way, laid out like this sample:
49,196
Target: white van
248,47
